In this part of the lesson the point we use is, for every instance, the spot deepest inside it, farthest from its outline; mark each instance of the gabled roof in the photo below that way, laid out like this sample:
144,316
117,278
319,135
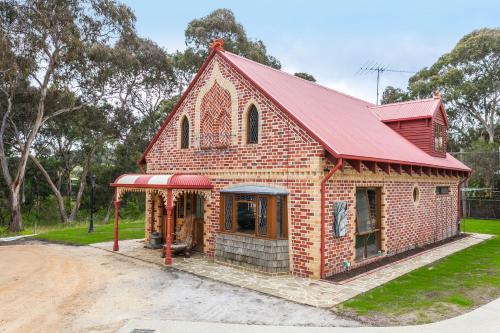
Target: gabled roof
346,126
418,109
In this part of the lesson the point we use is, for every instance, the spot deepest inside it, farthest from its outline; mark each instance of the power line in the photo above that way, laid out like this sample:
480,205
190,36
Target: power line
370,67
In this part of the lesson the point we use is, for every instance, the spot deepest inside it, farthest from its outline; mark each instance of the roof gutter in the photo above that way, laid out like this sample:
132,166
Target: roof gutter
340,164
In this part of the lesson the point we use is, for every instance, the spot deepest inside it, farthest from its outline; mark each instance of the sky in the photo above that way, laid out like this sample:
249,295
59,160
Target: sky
333,39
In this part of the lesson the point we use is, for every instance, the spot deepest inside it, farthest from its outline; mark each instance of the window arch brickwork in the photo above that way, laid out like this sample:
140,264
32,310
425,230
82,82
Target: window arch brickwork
184,131
253,125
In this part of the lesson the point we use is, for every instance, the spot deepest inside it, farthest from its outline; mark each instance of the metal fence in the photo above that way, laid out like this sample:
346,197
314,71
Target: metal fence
481,194
482,208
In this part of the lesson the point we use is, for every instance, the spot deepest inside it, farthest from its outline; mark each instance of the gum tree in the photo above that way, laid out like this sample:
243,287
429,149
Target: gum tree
50,45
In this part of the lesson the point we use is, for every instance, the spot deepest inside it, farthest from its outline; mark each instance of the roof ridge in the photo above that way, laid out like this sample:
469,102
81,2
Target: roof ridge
402,103
299,78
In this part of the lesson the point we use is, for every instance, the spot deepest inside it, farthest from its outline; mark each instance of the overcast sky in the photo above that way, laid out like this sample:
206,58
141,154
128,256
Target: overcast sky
332,39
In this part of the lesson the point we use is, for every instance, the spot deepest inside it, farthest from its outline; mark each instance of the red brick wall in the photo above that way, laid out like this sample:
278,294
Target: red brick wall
286,156
405,225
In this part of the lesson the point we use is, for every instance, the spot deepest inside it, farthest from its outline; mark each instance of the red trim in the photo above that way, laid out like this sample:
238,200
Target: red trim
142,160
393,120
168,225
339,165
163,186
115,231
373,159
441,109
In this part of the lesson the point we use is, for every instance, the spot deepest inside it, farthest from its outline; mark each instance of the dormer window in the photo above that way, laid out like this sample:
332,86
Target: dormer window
439,137
185,133
253,125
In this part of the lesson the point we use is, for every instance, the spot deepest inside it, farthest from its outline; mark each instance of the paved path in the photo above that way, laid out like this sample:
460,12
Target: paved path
485,319
301,290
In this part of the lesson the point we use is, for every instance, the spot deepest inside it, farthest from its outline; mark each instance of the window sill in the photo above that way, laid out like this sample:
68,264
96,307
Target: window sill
358,261
250,235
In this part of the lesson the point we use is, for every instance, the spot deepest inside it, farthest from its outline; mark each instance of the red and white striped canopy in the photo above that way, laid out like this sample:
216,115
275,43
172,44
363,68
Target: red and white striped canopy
162,181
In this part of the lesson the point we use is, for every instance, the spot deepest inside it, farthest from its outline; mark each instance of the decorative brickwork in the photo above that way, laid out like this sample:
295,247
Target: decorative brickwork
288,157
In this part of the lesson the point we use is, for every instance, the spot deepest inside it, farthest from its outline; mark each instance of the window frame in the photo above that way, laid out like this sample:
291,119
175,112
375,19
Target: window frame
439,145
440,187
377,230
185,140
271,215
249,139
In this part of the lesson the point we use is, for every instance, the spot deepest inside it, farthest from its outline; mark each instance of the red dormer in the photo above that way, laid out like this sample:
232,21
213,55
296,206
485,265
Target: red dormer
422,122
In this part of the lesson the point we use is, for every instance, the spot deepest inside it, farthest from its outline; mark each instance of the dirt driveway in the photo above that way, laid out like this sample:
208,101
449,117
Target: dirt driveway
57,288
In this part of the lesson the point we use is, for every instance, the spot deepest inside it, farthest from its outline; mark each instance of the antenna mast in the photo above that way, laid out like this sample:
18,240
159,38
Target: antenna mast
370,67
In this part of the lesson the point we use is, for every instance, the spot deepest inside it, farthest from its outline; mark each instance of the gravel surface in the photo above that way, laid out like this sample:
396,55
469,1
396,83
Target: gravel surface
57,288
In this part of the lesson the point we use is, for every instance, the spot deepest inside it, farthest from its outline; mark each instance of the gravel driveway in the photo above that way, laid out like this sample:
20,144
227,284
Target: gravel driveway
50,287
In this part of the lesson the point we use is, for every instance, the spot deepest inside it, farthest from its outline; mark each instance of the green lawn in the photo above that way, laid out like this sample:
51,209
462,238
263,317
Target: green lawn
450,286
79,235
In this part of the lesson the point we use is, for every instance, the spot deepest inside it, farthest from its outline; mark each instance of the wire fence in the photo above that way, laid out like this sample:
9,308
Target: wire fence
481,193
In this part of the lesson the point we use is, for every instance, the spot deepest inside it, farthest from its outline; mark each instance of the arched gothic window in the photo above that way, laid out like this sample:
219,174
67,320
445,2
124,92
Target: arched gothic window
185,133
253,125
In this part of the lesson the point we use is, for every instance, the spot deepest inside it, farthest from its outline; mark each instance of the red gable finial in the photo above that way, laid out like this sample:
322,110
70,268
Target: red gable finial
217,44
437,94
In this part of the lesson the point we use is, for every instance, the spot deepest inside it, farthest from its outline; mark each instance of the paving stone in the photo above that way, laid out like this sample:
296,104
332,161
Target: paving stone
301,290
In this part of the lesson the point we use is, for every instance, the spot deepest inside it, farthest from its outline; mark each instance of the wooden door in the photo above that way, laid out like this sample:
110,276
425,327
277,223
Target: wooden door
198,221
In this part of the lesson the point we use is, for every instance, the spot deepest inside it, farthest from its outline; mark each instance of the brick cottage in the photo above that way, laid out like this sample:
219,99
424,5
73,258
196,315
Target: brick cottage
281,175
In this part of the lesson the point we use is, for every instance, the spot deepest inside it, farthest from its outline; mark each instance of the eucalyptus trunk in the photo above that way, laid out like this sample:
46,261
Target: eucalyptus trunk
16,223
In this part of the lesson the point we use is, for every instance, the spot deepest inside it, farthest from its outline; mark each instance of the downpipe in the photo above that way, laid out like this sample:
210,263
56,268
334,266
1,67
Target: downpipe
340,164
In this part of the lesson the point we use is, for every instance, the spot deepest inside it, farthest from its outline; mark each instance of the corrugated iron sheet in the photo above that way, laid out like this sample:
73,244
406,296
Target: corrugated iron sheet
161,180
348,127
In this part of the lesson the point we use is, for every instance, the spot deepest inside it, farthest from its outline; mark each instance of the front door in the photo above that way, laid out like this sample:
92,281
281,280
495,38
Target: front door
198,222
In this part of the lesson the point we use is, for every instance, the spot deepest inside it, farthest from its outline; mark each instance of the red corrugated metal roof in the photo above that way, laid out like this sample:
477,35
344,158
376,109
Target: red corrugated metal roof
162,181
347,127
423,108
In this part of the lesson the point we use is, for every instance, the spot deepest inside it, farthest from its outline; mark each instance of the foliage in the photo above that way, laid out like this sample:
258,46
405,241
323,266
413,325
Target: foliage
455,281
59,46
394,95
83,94
484,157
221,23
468,78
305,76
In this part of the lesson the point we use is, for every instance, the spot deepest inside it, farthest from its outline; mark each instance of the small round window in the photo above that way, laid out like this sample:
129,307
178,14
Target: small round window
416,195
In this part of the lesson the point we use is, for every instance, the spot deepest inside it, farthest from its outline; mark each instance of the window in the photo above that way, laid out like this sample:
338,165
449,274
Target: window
442,189
439,138
185,133
253,125
416,195
254,214
368,216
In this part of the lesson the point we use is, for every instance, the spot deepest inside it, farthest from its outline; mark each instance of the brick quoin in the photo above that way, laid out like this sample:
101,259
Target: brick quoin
290,158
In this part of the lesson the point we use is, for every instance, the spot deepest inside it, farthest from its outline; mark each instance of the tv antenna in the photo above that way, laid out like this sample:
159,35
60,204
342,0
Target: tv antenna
370,67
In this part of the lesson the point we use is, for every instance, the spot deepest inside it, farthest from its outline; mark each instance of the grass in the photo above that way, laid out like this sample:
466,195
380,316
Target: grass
450,286
102,233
